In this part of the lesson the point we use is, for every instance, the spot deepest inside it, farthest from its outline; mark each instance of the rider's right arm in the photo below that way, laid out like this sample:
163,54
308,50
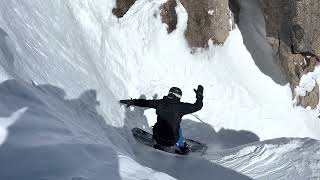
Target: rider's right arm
145,103
188,108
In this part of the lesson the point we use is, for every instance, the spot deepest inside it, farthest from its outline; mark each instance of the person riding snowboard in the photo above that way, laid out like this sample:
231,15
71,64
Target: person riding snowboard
167,131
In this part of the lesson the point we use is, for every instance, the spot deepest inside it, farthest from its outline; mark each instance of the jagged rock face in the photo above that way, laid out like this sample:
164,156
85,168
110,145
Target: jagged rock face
169,15
122,6
207,19
293,40
306,27
309,99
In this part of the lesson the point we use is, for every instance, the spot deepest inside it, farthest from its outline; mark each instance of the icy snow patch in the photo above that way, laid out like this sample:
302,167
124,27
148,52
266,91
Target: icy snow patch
308,82
6,122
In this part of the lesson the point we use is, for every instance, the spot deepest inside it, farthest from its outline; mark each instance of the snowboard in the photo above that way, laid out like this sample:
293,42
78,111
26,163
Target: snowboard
146,138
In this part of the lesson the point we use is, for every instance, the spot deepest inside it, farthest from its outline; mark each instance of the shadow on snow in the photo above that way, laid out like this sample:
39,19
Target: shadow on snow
59,138
55,138
251,23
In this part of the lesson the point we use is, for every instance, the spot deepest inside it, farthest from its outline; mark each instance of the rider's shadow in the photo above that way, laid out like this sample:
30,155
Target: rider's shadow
222,139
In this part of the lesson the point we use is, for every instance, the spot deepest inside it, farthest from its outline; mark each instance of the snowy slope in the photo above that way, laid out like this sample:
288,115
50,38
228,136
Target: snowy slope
282,158
65,64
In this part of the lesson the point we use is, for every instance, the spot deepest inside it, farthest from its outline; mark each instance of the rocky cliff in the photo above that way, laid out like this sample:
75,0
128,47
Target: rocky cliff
207,19
293,30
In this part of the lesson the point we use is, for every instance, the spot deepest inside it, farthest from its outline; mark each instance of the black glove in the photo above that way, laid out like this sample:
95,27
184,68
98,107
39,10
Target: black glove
199,92
128,102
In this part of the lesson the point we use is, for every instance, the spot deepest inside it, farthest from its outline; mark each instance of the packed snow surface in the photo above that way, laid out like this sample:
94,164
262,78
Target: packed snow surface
65,64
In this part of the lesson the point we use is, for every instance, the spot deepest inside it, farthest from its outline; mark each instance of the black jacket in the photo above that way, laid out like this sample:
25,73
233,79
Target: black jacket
169,111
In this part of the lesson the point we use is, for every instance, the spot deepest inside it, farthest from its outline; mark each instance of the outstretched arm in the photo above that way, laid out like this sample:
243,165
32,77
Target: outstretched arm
140,103
187,108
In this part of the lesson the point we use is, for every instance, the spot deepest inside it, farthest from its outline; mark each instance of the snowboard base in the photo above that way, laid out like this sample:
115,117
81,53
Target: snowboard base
146,138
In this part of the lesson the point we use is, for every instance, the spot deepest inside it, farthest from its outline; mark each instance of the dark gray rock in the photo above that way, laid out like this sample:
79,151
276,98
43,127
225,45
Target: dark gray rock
169,15
234,6
306,27
207,19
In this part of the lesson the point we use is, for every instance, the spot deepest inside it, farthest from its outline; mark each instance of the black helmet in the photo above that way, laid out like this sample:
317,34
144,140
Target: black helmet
176,92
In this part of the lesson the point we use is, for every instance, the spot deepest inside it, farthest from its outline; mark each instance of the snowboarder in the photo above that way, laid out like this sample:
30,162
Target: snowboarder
167,131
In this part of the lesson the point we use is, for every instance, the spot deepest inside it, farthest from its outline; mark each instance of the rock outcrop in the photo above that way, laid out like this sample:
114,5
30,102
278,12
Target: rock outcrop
169,15
207,19
122,6
293,30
